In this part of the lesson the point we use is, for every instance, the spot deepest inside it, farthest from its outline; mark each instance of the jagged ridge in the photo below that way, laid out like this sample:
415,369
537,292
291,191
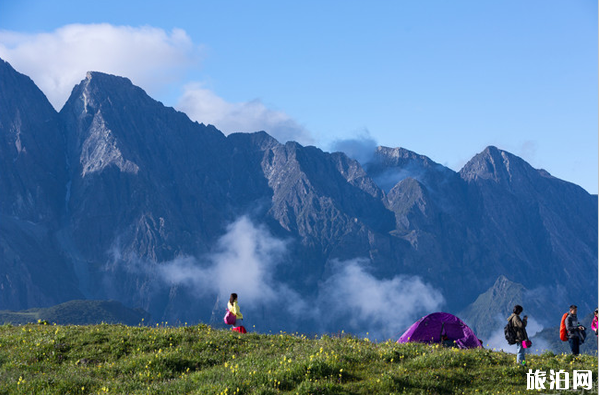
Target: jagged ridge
140,184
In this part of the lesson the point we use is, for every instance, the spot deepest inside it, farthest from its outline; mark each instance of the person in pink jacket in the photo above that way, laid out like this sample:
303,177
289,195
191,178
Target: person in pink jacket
594,325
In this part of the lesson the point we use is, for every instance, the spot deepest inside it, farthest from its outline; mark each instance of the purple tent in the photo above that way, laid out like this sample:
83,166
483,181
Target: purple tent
441,328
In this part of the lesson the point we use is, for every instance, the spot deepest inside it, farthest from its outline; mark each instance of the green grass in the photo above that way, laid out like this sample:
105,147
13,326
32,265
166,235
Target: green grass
118,359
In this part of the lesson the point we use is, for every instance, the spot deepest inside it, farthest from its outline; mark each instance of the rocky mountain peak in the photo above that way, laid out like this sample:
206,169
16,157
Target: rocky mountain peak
31,148
398,155
260,140
96,145
496,165
98,78
503,285
119,126
389,166
20,94
100,89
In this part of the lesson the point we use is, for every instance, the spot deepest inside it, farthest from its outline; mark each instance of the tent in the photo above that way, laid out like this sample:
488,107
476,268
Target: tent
442,328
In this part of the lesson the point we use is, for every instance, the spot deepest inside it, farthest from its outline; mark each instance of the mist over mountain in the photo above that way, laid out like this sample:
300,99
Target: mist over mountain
119,197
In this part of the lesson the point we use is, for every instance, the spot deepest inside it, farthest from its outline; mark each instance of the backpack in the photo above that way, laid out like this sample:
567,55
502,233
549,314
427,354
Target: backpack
230,318
510,333
563,333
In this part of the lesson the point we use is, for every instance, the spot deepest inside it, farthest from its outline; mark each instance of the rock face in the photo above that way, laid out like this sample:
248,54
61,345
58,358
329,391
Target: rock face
119,197
490,310
33,272
530,216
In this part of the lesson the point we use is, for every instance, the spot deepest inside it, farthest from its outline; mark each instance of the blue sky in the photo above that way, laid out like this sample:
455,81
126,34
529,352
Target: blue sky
444,79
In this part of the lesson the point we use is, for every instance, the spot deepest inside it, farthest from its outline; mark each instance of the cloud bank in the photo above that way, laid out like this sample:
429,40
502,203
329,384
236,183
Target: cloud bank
497,340
152,58
203,105
245,260
357,301
361,148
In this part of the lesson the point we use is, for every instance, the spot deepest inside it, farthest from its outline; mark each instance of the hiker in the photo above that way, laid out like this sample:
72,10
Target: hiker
594,325
233,307
519,326
576,332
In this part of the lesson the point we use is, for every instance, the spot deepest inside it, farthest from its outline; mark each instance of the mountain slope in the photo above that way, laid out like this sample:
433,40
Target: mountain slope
533,220
489,311
33,179
139,204
31,150
148,186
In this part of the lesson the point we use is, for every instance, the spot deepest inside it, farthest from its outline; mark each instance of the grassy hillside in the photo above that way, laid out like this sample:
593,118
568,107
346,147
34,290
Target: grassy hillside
78,312
117,359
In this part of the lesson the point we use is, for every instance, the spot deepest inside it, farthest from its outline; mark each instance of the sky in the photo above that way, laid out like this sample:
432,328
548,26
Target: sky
443,79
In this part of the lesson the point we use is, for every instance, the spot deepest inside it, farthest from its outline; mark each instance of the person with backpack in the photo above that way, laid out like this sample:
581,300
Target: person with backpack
576,332
517,327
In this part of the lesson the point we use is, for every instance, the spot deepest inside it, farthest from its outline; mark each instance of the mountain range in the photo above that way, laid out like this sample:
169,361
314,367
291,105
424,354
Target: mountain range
119,197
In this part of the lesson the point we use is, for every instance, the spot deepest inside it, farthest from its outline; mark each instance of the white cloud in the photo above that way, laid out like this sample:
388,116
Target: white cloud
243,262
528,150
361,148
355,299
203,105
151,58
497,342
57,61
352,299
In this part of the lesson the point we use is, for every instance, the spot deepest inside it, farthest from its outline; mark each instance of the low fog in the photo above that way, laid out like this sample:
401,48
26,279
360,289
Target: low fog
245,261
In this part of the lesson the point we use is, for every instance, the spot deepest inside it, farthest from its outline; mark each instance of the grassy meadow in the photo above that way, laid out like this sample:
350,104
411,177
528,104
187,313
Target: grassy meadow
119,359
